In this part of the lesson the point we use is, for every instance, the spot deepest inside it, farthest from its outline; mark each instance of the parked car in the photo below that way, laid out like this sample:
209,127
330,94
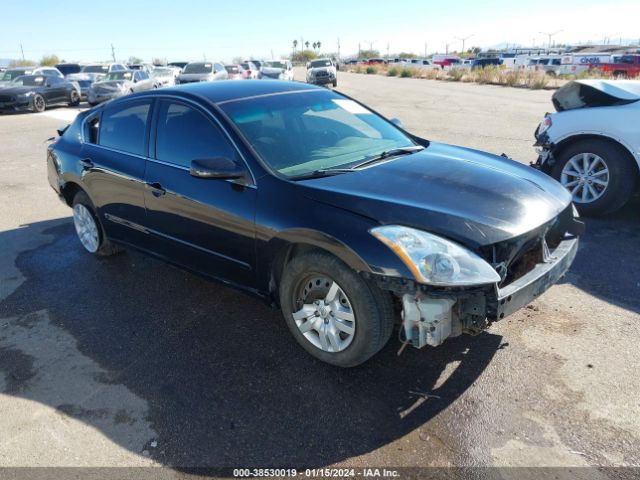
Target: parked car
236,72
147,67
202,72
592,146
116,84
422,63
37,92
165,76
484,62
84,82
180,65
376,61
322,71
624,66
12,73
277,70
207,177
250,70
445,60
69,68
104,68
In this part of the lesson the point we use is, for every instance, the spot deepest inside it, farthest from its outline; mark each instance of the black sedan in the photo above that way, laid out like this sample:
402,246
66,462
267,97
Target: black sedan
321,206
37,92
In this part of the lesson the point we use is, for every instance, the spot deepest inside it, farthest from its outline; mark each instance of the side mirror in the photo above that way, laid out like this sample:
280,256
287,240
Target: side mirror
396,121
218,168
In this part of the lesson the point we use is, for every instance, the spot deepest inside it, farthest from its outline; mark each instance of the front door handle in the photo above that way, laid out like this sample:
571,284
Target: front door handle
86,164
156,189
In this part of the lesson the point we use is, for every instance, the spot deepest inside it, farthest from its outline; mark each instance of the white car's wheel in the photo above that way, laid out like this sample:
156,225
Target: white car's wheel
599,174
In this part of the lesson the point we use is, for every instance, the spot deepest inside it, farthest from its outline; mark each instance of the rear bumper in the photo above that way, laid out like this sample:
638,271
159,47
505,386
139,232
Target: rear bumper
531,285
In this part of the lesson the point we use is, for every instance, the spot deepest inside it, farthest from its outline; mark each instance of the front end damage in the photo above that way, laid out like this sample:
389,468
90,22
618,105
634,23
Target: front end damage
527,265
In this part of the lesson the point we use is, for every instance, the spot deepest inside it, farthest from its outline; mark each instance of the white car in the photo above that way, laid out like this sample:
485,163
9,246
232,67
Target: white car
592,144
277,70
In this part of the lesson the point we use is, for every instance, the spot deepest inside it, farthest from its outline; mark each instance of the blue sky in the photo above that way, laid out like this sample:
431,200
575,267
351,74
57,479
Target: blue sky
177,30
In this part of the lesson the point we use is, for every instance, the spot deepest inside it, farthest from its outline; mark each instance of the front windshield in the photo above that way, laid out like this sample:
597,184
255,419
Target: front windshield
29,81
11,74
320,63
232,68
95,69
114,76
274,65
162,72
198,68
299,133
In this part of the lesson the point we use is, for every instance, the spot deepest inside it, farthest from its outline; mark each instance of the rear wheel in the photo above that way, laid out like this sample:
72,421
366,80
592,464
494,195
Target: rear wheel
74,98
89,229
39,104
600,175
332,312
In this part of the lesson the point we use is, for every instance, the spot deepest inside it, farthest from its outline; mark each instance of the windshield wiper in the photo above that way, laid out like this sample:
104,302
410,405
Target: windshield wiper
322,172
387,154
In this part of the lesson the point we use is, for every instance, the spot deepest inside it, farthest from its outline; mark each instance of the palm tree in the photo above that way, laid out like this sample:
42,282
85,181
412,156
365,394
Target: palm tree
295,44
306,44
318,44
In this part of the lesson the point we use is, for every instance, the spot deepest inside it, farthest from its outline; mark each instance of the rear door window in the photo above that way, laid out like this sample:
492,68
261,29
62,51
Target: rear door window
124,127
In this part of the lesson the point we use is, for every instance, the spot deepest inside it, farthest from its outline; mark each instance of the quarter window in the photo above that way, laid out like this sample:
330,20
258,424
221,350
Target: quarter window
184,135
124,127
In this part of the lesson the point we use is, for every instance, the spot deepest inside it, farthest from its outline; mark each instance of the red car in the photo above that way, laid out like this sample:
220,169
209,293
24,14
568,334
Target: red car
624,66
376,61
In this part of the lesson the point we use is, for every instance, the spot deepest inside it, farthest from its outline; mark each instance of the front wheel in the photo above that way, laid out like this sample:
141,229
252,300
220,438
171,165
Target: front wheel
600,175
335,83
39,104
88,228
74,98
332,312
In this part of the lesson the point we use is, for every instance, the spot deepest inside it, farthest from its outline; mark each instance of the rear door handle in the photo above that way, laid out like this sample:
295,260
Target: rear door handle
156,189
86,164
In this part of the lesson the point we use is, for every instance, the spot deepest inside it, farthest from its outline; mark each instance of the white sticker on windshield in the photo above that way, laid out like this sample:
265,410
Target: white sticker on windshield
351,106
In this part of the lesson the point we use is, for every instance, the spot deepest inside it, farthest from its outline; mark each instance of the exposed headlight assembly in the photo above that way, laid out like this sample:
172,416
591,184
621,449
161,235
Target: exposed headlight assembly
434,260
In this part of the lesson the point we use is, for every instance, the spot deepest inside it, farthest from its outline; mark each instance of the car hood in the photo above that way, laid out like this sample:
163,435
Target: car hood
18,90
113,84
272,70
595,93
195,76
469,196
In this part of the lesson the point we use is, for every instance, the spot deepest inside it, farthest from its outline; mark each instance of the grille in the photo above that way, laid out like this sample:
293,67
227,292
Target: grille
6,98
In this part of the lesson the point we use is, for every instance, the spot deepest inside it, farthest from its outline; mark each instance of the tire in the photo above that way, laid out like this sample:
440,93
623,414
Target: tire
335,83
93,104
39,103
74,98
94,240
621,175
312,275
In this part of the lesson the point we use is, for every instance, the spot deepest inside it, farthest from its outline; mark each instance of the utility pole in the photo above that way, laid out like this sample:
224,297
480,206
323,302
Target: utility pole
446,49
359,50
338,49
464,39
22,50
425,49
387,50
113,52
550,35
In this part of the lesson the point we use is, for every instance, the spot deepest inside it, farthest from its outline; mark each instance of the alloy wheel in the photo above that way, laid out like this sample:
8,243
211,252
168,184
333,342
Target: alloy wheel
586,176
86,228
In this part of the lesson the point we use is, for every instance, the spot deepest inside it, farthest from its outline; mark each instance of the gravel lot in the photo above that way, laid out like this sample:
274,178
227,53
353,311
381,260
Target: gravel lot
130,362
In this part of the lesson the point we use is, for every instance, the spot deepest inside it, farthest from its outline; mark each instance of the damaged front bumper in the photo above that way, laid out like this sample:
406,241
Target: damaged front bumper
430,316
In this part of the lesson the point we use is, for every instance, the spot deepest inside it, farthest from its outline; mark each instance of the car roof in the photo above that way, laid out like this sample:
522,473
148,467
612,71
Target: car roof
218,92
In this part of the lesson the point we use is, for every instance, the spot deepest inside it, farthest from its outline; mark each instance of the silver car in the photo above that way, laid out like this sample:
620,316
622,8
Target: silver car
321,72
117,84
202,72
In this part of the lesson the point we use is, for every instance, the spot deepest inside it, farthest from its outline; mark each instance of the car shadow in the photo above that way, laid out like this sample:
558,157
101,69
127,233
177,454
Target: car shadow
225,383
608,261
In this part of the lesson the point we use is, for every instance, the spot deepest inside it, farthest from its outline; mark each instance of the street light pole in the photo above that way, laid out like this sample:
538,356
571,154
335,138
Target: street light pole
550,34
463,40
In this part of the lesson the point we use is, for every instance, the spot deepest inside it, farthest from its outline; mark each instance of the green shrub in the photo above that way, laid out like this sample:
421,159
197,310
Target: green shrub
407,72
393,72
372,70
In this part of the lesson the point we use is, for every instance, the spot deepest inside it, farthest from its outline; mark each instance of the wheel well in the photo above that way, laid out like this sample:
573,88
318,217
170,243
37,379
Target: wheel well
559,147
284,256
69,191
